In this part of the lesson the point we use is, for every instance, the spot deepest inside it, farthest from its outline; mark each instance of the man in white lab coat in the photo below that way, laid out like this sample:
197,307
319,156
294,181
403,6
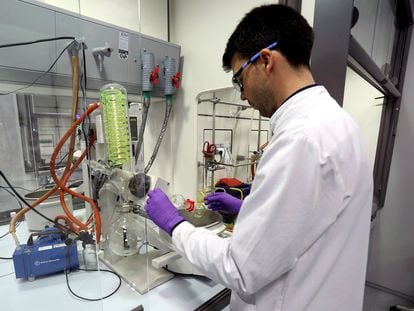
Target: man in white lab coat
300,240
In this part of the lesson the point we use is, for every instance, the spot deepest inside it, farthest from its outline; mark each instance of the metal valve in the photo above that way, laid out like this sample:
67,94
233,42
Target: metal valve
154,75
176,80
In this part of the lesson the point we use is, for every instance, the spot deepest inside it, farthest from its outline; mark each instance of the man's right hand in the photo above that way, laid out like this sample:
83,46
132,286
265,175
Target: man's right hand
222,201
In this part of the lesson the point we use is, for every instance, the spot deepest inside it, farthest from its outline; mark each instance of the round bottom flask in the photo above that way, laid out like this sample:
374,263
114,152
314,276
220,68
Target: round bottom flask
125,234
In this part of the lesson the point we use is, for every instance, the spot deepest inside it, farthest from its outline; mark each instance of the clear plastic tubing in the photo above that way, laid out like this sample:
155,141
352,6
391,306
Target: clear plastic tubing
116,127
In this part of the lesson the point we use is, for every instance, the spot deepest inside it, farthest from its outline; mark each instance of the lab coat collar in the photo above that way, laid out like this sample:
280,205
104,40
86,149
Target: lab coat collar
304,91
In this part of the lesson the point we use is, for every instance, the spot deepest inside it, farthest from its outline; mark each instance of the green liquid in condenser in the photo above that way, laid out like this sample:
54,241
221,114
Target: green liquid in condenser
116,127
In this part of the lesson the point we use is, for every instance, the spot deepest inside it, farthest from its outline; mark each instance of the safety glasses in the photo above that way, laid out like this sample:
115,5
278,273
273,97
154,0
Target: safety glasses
237,83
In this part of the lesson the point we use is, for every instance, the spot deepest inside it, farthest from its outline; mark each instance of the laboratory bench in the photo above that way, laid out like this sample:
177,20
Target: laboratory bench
183,292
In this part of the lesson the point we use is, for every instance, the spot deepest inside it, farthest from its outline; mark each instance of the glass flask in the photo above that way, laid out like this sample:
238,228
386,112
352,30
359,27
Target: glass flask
125,233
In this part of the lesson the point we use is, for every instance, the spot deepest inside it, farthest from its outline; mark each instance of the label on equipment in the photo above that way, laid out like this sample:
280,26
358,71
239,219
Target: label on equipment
59,245
47,247
44,248
123,45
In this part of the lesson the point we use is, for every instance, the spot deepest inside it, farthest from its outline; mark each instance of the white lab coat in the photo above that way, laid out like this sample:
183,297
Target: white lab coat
300,241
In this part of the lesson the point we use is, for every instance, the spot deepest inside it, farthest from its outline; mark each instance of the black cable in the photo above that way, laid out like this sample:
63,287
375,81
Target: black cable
22,199
36,41
168,109
176,273
145,109
84,79
94,270
61,160
20,207
44,73
6,234
84,67
17,187
90,216
7,190
67,261
33,209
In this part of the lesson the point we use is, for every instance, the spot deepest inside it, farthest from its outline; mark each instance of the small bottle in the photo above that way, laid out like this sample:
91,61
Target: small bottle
90,259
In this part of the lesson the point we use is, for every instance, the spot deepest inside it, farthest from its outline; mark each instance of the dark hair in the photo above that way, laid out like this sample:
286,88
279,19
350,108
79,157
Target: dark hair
269,23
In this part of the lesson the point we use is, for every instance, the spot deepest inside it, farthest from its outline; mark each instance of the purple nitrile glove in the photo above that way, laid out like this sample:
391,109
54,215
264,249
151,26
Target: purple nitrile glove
222,201
161,211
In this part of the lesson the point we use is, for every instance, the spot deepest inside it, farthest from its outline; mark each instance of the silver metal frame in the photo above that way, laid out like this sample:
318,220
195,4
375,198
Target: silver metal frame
374,74
335,48
296,4
213,165
332,25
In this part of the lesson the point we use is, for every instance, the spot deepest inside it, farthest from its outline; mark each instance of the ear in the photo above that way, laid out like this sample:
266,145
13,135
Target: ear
267,59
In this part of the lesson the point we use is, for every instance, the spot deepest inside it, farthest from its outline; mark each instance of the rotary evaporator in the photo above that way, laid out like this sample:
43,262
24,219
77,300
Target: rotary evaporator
117,232
133,246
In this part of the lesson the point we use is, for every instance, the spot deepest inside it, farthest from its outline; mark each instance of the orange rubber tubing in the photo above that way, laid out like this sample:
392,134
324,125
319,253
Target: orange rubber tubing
64,189
60,144
68,222
75,88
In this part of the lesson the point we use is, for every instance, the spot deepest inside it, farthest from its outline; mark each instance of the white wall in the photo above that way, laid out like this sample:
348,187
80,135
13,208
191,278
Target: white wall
361,103
308,10
202,29
154,18
145,16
